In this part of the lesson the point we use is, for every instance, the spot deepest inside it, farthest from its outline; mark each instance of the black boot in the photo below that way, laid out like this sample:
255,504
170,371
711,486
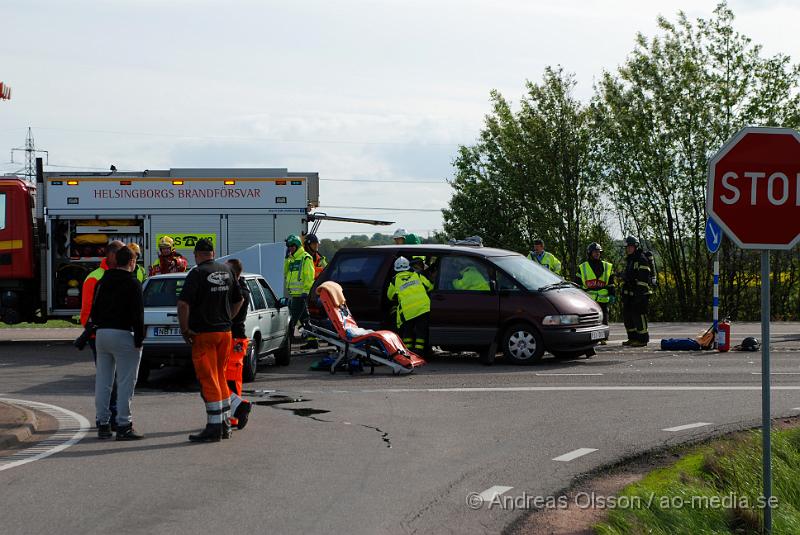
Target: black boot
242,413
126,432
103,431
227,432
212,433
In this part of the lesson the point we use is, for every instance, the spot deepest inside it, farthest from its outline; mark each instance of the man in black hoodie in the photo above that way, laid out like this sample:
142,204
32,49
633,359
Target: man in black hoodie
118,313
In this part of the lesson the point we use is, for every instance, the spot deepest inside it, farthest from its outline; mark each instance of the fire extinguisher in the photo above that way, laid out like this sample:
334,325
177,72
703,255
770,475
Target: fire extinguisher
724,336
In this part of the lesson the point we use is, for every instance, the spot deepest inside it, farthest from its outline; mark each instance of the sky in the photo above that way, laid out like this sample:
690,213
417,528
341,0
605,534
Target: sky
375,95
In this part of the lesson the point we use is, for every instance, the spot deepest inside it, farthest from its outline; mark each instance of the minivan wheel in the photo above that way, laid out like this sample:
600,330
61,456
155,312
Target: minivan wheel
522,344
250,363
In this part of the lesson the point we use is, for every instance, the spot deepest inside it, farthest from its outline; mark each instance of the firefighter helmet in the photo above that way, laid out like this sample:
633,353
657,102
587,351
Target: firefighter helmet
402,264
312,238
594,246
632,240
750,344
166,241
400,233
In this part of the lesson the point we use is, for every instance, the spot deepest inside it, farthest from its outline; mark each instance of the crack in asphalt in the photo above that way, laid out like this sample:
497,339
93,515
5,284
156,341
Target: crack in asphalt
384,436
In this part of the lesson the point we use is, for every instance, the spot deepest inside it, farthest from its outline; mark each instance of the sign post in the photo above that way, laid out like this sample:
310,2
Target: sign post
713,241
753,192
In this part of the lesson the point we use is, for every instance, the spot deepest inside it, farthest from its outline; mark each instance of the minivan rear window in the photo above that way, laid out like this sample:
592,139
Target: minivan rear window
527,272
355,269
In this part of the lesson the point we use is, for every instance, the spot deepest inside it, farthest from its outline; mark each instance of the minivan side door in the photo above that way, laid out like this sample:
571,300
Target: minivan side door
465,307
361,275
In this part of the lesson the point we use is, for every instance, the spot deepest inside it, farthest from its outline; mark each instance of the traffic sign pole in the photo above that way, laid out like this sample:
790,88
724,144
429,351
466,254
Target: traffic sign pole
765,392
716,299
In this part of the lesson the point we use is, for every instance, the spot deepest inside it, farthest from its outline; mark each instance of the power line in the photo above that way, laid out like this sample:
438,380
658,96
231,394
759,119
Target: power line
248,138
387,181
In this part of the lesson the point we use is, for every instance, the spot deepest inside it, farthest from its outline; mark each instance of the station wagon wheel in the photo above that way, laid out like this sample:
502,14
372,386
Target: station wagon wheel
522,344
250,362
284,353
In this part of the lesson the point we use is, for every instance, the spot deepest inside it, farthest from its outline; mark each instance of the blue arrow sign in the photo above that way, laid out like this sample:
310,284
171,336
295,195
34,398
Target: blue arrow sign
713,235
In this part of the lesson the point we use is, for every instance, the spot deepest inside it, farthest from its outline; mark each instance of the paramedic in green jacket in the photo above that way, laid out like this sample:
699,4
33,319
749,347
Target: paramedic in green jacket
544,258
298,274
410,289
471,279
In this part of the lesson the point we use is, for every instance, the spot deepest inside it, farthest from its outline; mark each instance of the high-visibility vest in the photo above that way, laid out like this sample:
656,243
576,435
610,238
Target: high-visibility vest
320,263
174,263
139,272
298,270
548,260
471,279
411,291
596,286
88,289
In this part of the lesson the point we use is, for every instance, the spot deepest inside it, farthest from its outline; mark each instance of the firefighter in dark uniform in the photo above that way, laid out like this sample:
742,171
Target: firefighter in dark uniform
635,294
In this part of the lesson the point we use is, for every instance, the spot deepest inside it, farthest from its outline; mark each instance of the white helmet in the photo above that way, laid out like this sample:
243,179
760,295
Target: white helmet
402,264
399,233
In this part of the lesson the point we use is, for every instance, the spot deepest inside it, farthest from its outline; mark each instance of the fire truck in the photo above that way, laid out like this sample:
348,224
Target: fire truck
53,233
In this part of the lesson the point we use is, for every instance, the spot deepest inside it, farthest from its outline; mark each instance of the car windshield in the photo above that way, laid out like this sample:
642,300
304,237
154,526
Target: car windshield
163,292
528,273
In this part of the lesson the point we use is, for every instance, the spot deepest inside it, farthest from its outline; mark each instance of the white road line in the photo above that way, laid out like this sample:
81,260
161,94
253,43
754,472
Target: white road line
654,388
685,427
567,374
72,428
777,373
493,492
796,409
580,452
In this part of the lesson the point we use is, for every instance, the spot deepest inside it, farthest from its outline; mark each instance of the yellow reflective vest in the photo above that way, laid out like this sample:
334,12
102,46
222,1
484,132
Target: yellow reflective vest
298,273
410,289
596,287
548,260
471,279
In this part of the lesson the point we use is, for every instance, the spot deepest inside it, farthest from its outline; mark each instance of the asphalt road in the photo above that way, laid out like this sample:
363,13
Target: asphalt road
374,454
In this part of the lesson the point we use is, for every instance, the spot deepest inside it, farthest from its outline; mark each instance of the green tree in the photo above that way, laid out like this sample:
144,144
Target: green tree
528,176
657,121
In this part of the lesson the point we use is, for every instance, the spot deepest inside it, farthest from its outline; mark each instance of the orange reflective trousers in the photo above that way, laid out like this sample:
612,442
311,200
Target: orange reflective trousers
233,371
210,352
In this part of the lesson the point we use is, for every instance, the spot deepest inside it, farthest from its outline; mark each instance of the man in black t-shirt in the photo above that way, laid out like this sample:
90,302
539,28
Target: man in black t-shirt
209,299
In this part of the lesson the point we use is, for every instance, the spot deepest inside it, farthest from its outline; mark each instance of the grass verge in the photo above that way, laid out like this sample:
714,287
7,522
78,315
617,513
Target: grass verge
715,489
51,324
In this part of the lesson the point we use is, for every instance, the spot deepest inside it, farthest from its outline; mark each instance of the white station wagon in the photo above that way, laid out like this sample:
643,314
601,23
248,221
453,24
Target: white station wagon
267,325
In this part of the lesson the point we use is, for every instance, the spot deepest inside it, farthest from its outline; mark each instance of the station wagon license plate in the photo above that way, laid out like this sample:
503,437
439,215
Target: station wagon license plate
598,335
166,331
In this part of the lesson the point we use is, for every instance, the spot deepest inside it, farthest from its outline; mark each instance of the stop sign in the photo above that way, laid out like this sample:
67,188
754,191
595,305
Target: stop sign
753,188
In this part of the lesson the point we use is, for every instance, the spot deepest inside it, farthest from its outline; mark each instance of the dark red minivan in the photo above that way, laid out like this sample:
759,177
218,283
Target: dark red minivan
518,307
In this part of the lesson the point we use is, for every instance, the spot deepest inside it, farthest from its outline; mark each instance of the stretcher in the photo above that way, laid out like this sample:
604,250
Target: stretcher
368,348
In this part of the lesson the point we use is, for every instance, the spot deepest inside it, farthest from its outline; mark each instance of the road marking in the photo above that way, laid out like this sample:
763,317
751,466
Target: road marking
72,428
685,427
777,373
493,492
665,388
580,452
796,409
567,374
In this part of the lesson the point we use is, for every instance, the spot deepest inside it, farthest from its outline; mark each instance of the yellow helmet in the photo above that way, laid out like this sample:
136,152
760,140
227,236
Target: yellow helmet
135,248
166,241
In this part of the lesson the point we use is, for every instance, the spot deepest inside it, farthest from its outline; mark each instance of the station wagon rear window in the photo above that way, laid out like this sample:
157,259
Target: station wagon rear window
356,270
163,292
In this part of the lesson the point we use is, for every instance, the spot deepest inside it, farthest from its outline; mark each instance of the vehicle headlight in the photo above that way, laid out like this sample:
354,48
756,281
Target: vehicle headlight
560,320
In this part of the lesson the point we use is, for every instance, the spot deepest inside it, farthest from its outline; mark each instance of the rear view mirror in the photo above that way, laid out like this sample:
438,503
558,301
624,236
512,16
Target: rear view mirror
282,302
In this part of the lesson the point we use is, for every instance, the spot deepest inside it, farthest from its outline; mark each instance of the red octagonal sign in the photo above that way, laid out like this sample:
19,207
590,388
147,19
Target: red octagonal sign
754,188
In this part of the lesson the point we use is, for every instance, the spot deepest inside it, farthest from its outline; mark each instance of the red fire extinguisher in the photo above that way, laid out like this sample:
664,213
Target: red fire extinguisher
724,336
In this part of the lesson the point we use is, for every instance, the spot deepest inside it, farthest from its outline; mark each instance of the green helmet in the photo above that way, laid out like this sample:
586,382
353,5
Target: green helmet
293,240
412,239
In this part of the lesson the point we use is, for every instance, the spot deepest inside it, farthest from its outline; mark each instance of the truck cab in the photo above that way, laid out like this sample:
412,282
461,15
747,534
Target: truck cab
18,270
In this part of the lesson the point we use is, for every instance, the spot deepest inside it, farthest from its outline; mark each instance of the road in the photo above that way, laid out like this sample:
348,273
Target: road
375,454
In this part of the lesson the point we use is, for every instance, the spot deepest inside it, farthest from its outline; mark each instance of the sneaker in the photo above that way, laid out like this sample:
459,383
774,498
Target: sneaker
126,432
242,413
212,433
103,431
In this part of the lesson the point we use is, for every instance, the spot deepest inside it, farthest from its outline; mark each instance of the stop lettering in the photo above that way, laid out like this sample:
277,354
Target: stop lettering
754,188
